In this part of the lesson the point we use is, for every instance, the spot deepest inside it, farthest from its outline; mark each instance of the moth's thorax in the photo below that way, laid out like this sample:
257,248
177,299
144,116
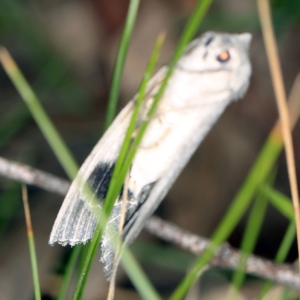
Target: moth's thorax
220,53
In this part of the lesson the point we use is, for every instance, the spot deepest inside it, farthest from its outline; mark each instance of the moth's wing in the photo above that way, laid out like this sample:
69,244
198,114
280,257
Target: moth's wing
75,222
158,192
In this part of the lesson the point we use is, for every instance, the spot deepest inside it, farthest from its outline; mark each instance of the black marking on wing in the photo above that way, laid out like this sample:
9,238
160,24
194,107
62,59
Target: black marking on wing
108,250
100,178
142,197
145,192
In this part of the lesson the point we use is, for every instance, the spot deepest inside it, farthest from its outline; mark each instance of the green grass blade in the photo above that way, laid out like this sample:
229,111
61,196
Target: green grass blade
49,131
120,61
34,267
68,272
281,202
144,286
83,254
281,255
284,205
286,243
44,123
255,178
88,263
250,236
188,33
287,294
117,177
52,136
14,120
249,239
117,180
33,259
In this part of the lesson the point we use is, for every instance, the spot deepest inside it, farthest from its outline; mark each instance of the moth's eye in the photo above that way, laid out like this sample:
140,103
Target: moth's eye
223,56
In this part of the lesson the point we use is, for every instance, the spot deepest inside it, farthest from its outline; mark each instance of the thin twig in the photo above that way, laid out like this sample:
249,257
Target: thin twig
227,257
276,74
23,173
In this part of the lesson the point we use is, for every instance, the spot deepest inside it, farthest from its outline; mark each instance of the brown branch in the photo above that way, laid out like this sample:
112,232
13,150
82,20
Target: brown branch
28,175
226,257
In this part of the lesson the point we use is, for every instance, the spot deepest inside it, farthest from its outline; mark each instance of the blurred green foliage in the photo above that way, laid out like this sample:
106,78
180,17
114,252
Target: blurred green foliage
19,26
286,13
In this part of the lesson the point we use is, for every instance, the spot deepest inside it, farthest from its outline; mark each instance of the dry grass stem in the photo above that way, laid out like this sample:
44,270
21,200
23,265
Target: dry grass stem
276,74
112,283
27,211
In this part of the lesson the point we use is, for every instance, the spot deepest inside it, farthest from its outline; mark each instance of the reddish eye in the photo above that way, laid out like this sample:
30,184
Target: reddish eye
223,56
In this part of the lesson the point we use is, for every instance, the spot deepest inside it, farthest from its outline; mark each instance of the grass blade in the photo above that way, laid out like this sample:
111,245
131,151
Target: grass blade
187,35
88,263
249,240
281,202
255,178
250,237
142,283
52,136
117,181
278,85
43,121
120,61
117,177
35,274
281,255
68,272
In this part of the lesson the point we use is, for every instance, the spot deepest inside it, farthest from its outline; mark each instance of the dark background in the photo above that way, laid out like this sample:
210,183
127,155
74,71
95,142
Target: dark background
66,49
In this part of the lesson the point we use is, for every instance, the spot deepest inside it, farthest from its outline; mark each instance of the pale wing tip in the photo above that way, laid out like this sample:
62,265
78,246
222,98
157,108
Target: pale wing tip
71,242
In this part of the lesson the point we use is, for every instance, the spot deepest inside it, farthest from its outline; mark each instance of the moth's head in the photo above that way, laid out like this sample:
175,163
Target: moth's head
218,52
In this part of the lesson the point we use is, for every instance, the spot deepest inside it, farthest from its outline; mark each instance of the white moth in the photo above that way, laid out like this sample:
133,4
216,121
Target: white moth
214,71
